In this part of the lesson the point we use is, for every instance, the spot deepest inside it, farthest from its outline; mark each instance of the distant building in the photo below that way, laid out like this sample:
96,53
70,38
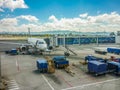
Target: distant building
118,37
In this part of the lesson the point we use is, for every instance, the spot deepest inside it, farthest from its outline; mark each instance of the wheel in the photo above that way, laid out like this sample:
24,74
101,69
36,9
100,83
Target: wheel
96,74
67,54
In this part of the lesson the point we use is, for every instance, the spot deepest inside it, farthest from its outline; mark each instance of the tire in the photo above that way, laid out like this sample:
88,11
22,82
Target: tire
96,74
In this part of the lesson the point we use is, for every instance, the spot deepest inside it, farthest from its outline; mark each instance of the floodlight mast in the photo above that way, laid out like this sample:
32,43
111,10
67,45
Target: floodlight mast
0,69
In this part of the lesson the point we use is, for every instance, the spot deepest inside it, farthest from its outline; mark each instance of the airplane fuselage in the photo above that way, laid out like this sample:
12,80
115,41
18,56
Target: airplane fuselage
38,43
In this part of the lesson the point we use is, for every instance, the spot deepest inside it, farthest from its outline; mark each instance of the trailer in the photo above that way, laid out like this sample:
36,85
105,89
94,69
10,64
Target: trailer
97,68
101,52
113,67
60,62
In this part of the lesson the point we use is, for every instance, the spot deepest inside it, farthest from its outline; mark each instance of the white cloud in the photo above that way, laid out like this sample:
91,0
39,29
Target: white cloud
53,18
13,4
103,22
29,18
9,22
84,15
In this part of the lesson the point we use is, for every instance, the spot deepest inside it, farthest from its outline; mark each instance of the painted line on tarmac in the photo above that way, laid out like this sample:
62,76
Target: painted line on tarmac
12,85
65,80
48,82
85,85
17,65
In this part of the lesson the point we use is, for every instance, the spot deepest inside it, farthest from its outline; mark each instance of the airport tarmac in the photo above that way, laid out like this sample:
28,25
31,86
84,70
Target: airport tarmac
21,72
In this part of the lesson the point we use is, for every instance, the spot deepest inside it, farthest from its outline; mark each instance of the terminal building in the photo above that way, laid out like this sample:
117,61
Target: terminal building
117,39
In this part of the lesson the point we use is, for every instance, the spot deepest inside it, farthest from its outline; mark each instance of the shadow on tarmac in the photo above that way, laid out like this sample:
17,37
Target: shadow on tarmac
54,78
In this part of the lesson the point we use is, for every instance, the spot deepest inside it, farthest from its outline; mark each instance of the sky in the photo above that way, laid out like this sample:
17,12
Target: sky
50,15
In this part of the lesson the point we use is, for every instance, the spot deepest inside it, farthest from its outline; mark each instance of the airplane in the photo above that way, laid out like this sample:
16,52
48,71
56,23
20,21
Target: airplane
36,43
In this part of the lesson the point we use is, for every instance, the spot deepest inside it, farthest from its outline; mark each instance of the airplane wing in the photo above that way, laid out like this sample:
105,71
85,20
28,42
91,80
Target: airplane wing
14,43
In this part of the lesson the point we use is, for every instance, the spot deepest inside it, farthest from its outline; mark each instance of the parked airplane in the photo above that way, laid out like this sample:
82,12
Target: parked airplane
34,45
39,44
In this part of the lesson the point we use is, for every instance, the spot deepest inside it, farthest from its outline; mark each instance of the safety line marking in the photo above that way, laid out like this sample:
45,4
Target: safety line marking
17,65
65,81
85,85
12,85
48,82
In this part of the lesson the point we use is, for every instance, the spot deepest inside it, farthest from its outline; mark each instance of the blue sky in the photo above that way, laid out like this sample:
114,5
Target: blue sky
58,9
42,9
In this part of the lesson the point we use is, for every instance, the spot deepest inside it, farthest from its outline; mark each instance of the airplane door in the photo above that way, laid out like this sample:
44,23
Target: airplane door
37,45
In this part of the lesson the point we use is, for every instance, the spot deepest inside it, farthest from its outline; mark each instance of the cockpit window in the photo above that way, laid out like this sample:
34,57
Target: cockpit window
41,42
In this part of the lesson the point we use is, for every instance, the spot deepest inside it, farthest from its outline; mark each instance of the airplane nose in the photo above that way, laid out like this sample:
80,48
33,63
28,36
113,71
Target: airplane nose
43,47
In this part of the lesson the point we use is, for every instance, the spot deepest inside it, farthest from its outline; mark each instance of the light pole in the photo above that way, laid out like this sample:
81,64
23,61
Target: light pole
0,69
29,35
2,87
97,36
79,36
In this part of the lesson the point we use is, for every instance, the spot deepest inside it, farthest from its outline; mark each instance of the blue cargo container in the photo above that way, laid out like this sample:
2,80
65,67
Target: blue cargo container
92,58
60,61
97,67
117,51
113,50
13,52
110,50
89,58
42,65
114,67
57,58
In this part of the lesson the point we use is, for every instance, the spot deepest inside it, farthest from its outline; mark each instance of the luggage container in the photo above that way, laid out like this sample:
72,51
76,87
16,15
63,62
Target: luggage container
97,67
117,51
109,50
92,58
89,58
13,52
60,62
113,67
113,50
42,65
57,58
